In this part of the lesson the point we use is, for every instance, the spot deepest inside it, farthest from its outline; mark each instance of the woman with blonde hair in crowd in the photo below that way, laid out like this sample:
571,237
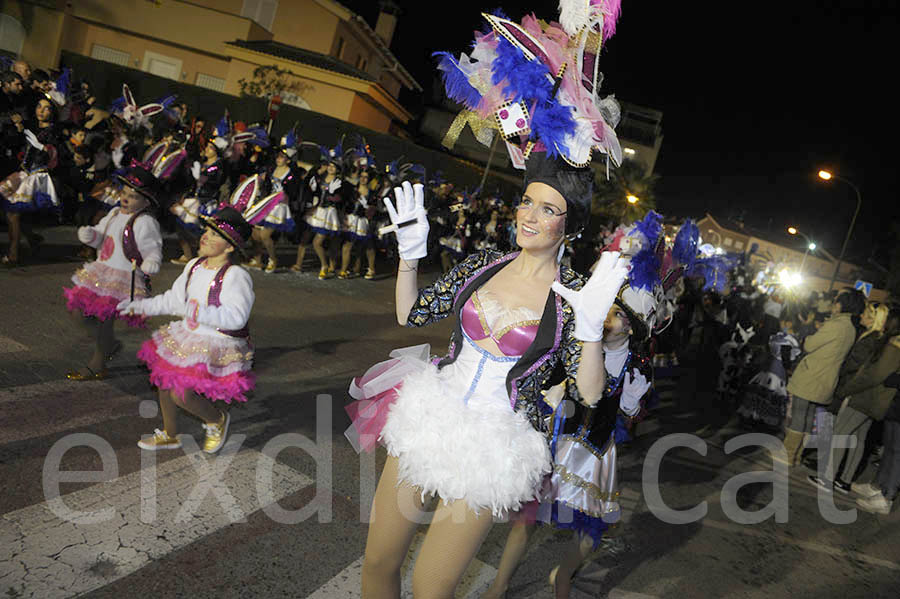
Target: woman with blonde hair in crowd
857,413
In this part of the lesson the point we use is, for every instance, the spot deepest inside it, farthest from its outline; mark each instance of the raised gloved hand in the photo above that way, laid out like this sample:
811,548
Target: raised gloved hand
32,140
592,302
86,235
412,240
195,170
633,389
746,334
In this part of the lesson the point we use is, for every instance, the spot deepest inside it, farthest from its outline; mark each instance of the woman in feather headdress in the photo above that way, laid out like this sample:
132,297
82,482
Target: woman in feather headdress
470,429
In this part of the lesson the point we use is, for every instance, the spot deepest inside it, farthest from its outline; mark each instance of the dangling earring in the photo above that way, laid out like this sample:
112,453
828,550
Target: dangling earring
562,250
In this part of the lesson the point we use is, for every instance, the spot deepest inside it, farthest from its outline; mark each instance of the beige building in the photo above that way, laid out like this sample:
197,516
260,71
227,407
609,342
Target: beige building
330,60
787,252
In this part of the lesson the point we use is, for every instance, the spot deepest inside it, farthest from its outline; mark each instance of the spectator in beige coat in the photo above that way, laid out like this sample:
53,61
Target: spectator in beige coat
814,380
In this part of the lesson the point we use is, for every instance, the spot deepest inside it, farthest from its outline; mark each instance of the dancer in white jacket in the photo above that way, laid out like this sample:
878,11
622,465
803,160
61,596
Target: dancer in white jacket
204,359
129,247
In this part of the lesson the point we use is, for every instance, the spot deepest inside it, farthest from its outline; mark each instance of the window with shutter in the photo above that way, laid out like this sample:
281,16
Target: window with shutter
210,82
110,55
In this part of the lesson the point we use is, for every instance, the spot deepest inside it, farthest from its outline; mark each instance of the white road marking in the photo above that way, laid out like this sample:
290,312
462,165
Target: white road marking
43,409
44,557
10,346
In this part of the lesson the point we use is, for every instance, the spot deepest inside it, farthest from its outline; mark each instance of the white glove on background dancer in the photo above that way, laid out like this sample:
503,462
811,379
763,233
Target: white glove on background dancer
412,240
633,389
32,140
195,170
593,301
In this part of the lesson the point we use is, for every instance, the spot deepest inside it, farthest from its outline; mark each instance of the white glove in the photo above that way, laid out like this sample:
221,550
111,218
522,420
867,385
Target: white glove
592,302
117,155
745,334
412,240
150,267
86,235
633,389
32,140
129,307
195,170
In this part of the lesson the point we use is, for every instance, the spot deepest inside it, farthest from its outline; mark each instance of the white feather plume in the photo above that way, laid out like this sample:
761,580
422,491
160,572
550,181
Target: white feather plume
574,14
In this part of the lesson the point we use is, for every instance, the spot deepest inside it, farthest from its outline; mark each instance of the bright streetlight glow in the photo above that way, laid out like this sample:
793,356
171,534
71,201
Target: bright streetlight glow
825,175
632,199
790,279
629,151
792,230
812,247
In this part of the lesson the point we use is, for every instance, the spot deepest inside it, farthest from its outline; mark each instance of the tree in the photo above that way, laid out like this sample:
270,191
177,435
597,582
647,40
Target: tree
610,202
270,80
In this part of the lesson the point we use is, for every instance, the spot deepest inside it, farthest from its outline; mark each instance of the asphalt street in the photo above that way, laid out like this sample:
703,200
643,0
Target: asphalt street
280,512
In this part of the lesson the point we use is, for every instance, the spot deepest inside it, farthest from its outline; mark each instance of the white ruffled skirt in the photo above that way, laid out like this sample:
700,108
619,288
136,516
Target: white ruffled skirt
23,192
326,220
456,435
280,219
358,227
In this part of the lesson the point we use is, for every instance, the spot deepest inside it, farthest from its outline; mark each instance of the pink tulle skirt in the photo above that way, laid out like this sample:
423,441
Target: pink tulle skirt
375,392
98,290
215,366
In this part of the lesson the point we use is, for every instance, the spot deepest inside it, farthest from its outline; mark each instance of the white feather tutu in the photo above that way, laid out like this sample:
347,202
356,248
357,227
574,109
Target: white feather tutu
455,435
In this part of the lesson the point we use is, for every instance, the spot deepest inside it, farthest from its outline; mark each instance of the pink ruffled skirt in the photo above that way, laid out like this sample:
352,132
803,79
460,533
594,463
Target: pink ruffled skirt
376,391
215,366
98,290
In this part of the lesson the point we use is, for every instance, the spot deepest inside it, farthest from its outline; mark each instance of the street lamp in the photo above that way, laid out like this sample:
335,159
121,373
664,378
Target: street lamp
810,244
827,176
632,199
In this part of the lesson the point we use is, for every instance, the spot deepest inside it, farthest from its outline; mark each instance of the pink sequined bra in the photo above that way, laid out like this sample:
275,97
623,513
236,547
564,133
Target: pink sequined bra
481,316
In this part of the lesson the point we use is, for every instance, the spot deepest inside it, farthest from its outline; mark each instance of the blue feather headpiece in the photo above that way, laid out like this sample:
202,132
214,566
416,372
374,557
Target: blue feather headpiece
333,155
522,80
223,127
260,137
64,81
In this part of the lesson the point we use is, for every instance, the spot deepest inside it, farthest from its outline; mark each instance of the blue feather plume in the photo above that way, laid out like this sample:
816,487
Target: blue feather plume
525,79
117,105
551,123
684,250
456,84
222,128
714,270
260,137
167,101
651,227
63,82
290,140
644,272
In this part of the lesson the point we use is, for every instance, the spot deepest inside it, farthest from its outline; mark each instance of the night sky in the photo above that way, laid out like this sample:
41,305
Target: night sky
756,97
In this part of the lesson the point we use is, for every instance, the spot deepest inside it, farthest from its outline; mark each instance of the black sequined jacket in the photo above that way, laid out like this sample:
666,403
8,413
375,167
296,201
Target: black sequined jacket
552,357
593,426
